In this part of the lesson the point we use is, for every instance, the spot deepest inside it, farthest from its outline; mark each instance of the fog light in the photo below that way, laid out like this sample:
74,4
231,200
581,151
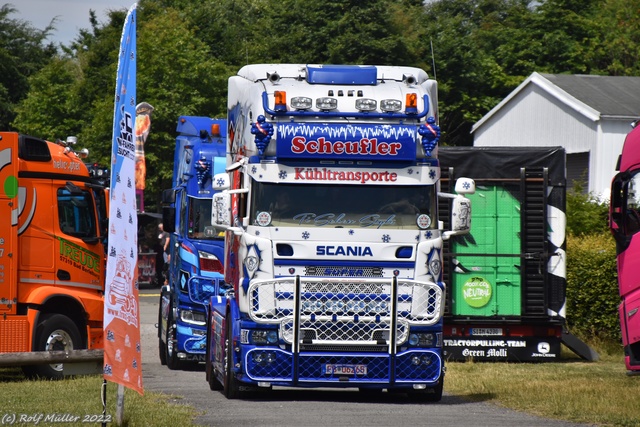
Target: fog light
272,337
415,360
413,339
261,336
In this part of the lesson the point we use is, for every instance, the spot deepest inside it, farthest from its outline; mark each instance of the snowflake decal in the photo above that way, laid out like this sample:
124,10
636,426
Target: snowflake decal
428,235
410,171
254,170
466,185
386,238
418,238
432,174
282,175
220,182
305,235
351,232
257,232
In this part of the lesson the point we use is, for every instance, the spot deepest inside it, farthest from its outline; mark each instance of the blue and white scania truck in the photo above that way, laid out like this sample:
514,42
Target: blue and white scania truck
196,250
333,246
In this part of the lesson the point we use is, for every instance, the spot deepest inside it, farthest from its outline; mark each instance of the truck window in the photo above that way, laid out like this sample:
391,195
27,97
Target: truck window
632,209
328,206
76,215
200,220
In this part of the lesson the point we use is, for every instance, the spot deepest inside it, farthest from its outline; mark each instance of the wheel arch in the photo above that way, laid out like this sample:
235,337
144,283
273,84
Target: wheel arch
66,306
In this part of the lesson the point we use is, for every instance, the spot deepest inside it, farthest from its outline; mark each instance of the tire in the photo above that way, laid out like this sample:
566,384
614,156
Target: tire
430,395
231,383
210,374
54,332
162,352
173,362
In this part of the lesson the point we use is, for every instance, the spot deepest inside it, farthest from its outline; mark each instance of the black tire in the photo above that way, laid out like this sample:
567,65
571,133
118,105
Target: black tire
231,383
173,362
210,374
162,352
429,395
54,332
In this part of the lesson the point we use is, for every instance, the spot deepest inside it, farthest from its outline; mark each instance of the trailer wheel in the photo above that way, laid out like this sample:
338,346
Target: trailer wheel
55,332
231,386
431,395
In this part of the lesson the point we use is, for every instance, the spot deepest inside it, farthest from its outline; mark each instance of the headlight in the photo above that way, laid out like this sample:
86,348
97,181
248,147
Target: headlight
390,105
366,104
193,317
301,103
326,103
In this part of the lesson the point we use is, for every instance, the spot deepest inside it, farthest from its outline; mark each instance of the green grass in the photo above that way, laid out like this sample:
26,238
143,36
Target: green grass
82,396
588,392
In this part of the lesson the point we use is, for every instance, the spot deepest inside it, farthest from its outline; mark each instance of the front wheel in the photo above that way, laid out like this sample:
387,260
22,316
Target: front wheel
173,362
55,332
231,383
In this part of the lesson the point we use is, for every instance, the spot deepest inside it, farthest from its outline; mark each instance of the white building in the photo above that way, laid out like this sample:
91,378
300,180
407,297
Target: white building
587,115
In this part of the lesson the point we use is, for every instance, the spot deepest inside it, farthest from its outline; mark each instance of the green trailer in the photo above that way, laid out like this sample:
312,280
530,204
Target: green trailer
507,294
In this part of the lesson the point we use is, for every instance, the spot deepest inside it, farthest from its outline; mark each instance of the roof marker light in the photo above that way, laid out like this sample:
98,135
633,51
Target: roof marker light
411,104
281,100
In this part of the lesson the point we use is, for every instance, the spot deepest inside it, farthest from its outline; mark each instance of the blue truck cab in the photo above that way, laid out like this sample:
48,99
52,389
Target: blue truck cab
195,265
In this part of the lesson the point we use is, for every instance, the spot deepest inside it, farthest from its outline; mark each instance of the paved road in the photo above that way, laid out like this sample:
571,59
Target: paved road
284,407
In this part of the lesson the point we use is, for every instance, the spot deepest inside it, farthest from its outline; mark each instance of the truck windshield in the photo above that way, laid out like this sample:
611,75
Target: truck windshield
357,206
200,220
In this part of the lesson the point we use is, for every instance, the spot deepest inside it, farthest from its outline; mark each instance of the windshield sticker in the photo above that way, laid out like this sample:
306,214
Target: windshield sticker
263,219
423,221
332,219
324,174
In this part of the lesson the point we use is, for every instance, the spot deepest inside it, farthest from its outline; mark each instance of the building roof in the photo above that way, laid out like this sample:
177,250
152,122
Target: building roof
597,97
612,96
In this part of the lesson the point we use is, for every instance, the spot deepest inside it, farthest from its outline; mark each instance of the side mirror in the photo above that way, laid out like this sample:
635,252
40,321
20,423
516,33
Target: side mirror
460,208
465,186
221,181
169,196
221,212
169,219
460,217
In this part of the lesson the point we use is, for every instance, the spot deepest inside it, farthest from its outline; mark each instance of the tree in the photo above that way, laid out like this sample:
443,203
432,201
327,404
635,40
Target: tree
23,52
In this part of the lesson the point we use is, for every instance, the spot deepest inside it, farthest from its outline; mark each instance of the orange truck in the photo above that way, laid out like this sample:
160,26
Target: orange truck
53,218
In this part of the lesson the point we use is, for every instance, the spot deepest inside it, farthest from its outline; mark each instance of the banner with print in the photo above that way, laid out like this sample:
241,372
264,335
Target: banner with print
122,347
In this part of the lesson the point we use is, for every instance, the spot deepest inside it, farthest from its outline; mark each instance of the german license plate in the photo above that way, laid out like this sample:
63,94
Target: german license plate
344,369
486,331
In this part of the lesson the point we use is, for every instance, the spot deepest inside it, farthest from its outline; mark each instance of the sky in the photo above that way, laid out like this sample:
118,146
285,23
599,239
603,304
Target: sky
73,15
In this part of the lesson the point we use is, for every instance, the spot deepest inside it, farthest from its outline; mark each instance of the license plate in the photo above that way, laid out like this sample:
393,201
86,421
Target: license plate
339,369
486,331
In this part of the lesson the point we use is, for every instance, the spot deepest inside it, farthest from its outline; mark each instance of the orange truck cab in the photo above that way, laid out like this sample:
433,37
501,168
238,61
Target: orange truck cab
52,254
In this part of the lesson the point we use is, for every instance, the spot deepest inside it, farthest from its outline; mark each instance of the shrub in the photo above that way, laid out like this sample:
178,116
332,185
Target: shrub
592,287
585,213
